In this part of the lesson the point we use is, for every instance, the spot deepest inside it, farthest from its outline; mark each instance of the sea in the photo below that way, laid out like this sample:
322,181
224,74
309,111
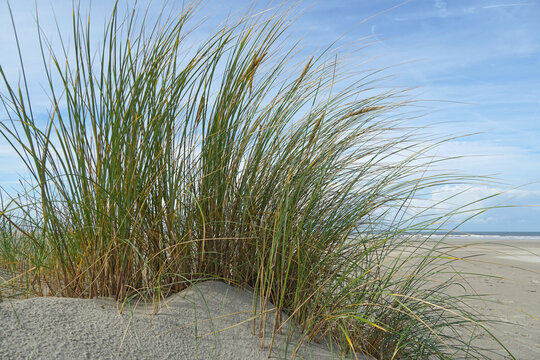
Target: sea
491,235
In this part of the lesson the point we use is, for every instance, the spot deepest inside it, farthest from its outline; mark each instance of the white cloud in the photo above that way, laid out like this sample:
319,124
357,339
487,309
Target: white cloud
441,7
504,5
483,207
508,162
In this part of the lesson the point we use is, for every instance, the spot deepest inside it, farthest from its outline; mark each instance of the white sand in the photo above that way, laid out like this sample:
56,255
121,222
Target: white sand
62,328
93,329
512,290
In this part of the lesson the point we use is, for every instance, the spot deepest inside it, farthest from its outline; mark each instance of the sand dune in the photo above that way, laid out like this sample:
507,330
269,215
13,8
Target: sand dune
50,327
63,328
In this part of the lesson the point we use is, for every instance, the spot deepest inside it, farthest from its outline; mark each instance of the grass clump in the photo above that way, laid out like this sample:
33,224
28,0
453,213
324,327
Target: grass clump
159,165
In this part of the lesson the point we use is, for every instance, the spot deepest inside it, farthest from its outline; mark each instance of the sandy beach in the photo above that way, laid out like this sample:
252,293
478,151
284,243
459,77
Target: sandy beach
213,320
512,289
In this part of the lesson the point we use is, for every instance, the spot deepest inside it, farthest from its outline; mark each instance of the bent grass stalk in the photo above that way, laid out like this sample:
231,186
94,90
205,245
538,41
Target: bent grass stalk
153,171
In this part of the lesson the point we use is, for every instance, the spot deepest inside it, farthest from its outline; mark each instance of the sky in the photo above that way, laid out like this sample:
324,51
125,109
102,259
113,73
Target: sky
475,63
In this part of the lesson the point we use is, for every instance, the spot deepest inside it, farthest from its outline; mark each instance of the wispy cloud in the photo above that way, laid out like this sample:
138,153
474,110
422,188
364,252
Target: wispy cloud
486,208
441,7
505,5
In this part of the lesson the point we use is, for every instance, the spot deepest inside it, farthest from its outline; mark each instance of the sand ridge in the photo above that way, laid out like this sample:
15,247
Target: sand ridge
64,328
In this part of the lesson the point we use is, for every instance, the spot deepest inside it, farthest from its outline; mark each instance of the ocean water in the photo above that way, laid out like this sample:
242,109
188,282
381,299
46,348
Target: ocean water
492,236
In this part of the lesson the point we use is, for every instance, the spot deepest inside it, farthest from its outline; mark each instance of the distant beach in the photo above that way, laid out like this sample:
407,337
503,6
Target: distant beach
511,289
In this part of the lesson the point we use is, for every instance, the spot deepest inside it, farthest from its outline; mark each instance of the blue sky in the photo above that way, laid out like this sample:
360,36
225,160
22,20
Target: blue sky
477,62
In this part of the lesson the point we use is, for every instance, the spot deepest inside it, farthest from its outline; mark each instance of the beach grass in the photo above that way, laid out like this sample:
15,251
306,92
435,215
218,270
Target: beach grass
160,164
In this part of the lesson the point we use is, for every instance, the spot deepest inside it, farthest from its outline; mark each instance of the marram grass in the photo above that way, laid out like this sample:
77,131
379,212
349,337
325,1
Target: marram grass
159,165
